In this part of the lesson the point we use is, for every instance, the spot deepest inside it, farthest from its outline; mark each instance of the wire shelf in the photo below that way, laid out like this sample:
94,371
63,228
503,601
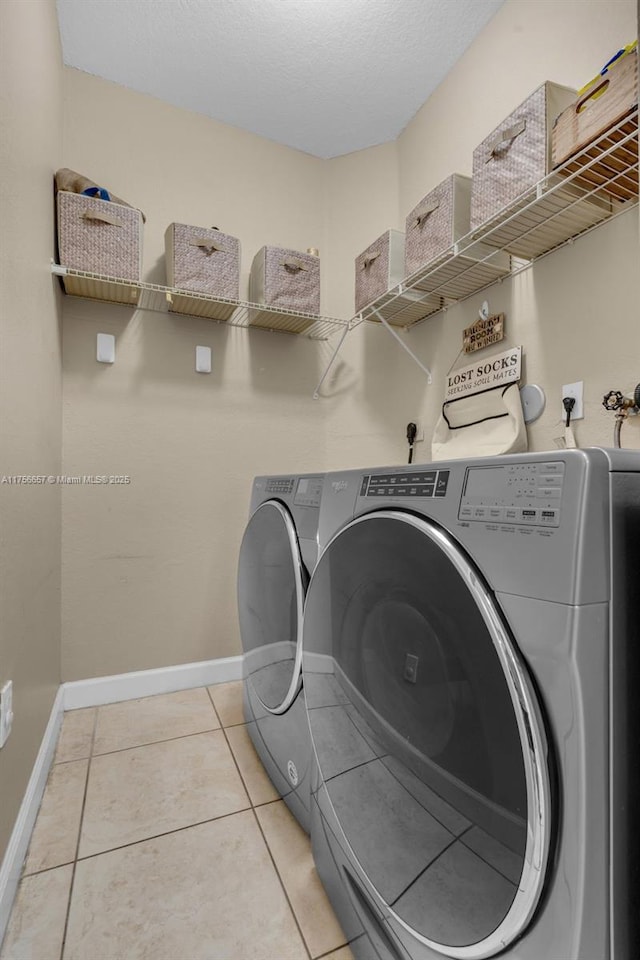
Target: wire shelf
596,184
237,313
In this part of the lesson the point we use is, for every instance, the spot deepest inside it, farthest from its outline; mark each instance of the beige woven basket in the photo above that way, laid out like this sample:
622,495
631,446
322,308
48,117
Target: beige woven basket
286,279
379,268
517,154
441,218
97,236
202,261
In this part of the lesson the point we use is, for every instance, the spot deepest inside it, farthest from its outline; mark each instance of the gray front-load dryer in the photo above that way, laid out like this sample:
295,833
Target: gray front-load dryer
471,657
278,553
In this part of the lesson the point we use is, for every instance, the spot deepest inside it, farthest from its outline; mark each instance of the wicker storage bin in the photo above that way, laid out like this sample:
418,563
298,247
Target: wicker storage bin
441,218
286,279
202,261
379,267
517,154
98,236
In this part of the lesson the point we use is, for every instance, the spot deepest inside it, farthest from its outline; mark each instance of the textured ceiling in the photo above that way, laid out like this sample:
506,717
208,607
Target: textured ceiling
324,76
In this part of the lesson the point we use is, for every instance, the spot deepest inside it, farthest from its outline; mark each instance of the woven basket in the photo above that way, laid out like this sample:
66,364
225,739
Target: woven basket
517,154
441,218
202,261
379,268
97,236
286,279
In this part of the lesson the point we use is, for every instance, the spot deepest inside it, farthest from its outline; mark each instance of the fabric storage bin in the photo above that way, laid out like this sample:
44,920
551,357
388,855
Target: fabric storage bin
97,236
441,218
379,267
286,279
517,154
202,261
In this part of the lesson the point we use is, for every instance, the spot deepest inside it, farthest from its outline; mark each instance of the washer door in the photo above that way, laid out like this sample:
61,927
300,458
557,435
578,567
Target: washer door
428,736
272,582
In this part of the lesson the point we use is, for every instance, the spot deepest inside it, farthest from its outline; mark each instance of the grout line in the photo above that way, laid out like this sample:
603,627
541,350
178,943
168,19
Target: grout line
75,860
282,884
151,743
253,810
217,715
165,833
330,953
36,873
233,756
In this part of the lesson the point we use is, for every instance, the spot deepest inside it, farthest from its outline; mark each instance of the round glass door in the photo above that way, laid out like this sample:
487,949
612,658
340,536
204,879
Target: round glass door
428,735
271,587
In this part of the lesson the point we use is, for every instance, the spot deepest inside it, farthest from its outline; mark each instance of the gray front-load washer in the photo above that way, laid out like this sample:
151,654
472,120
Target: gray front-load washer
278,553
471,656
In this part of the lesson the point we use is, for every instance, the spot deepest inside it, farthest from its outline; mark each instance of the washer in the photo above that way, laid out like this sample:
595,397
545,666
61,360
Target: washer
471,654
278,553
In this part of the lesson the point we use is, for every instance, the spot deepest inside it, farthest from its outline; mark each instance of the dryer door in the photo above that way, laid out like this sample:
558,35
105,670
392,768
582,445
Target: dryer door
429,740
271,588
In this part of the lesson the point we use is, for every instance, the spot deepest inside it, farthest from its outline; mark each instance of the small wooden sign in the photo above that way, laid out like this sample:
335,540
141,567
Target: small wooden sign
483,333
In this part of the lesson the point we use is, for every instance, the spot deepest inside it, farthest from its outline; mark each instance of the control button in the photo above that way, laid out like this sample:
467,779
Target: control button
528,516
556,466
548,493
550,518
442,482
550,480
479,513
465,512
495,513
511,514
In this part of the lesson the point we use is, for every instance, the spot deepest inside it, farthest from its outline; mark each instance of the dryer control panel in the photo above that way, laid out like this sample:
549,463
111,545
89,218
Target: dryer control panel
516,493
308,492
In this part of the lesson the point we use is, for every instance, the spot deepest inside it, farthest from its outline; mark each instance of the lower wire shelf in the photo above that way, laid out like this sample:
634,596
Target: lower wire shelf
154,297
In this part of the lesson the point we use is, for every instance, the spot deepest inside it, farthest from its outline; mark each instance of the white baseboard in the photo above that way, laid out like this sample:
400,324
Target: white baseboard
146,683
11,867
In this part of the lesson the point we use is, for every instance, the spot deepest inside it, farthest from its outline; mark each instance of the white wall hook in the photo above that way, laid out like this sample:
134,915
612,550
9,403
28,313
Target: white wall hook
483,312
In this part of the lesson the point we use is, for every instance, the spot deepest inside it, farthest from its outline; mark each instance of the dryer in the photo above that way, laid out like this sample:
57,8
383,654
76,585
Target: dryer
279,551
471,659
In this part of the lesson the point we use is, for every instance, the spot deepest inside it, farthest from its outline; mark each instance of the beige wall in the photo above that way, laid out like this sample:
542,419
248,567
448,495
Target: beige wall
565,310
149,569
30,434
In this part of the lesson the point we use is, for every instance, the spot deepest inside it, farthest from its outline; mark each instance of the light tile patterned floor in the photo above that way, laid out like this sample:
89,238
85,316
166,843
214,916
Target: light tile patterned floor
160,836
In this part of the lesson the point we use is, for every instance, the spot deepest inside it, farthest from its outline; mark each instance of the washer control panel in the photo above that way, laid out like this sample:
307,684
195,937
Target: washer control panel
412,483
516,493
279,485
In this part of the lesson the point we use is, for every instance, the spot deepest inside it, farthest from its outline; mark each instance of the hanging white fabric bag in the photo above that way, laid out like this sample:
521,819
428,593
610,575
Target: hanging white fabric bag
482,412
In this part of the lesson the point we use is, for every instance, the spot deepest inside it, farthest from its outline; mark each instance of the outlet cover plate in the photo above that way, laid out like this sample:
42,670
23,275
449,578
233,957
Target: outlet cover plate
574,390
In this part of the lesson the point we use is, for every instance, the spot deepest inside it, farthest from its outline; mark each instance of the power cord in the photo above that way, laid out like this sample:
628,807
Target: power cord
569,403
412,430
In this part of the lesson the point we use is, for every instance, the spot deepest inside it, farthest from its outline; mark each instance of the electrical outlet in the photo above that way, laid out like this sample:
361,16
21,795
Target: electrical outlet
574,390
6,712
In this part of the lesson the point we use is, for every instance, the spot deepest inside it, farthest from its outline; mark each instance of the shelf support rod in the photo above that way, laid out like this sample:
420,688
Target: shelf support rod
316,392
404,346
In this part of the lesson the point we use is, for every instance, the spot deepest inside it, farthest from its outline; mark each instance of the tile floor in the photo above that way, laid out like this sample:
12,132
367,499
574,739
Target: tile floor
160,836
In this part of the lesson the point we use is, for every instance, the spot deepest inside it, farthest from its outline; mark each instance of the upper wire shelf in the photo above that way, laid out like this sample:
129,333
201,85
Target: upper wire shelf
596,184
237,313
